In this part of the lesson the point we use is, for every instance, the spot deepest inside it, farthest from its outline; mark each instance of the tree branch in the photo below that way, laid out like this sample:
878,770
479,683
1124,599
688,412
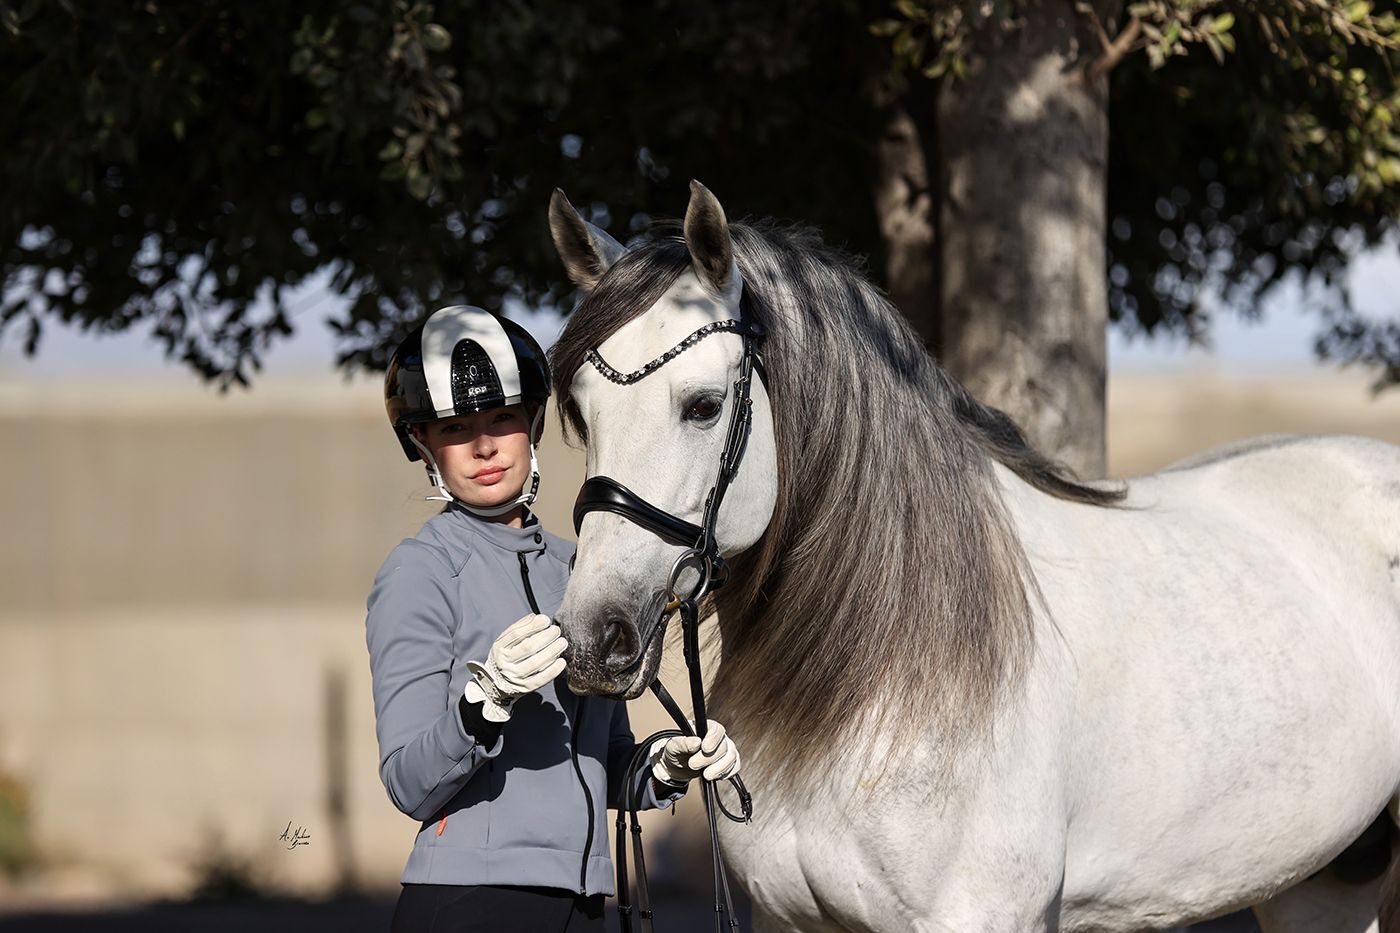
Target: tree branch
1113,49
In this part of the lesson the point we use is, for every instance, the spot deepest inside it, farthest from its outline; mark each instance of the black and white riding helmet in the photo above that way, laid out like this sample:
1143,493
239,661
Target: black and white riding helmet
465,359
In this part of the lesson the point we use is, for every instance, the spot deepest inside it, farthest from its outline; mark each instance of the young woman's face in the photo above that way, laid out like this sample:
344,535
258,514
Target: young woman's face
484,457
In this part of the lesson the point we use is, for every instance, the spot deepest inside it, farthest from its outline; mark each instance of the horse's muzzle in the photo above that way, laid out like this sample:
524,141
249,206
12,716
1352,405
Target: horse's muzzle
613,652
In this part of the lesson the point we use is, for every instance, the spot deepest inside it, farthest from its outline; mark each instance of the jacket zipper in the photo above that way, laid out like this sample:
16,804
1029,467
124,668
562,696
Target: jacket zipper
587,797
573,743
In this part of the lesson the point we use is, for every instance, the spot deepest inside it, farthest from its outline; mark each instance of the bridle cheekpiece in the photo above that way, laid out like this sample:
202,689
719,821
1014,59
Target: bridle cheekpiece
602,493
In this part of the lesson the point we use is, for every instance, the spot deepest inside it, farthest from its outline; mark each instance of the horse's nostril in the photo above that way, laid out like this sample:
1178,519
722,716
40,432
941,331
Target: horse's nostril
618,642
612,631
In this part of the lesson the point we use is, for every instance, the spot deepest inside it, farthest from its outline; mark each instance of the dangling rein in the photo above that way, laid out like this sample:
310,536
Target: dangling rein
701,555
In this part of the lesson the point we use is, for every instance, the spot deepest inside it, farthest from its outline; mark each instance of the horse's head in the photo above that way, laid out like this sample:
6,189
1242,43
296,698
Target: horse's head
659,434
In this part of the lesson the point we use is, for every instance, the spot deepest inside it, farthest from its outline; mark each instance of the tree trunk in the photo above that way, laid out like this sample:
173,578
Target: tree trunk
906,208
1023,148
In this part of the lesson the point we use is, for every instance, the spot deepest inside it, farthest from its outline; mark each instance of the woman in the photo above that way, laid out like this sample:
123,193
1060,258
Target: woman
509,773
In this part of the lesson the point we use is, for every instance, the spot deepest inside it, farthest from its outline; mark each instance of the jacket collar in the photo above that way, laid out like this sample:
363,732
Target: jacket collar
523,540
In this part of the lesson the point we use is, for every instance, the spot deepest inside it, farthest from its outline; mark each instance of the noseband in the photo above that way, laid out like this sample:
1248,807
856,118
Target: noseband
701,554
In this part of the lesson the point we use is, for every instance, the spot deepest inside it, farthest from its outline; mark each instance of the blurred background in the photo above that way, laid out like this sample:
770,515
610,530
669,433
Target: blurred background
183,671
216,221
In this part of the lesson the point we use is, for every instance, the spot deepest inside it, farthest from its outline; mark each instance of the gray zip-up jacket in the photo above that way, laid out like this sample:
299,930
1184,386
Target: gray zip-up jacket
522,803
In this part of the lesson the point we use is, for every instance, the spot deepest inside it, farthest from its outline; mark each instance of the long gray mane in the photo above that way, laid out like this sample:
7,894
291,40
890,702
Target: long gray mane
889,592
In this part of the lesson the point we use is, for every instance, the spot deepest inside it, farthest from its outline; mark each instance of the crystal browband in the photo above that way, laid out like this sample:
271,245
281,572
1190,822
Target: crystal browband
625,379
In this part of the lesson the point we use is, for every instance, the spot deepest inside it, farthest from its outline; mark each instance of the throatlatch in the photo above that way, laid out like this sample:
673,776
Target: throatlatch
600,493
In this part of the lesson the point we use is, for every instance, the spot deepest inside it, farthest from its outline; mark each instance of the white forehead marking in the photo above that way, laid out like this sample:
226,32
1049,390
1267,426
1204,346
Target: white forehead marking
684,308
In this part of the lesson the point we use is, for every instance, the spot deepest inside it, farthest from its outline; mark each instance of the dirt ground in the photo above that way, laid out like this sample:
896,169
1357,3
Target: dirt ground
675,913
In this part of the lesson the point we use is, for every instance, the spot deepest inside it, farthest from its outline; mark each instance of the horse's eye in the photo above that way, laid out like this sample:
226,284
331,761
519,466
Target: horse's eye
703,409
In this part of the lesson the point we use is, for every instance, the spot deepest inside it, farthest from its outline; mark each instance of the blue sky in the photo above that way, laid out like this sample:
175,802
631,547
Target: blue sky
1281,338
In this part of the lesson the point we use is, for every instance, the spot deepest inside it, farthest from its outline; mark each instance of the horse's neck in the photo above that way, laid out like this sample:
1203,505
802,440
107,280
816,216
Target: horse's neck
1067,545
1036,515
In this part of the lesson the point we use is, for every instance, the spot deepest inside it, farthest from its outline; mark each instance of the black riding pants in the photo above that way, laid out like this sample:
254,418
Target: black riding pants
477,908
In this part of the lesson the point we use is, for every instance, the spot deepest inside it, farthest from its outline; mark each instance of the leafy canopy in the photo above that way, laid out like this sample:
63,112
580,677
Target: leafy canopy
1277,152
185,166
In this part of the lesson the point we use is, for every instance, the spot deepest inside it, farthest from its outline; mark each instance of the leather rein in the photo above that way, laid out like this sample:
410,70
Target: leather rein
600,493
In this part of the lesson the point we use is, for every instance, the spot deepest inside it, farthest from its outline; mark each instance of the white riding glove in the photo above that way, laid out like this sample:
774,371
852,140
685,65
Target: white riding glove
682,758
524,658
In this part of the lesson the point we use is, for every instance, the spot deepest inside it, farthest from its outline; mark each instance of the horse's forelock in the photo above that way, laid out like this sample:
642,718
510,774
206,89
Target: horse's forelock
633,284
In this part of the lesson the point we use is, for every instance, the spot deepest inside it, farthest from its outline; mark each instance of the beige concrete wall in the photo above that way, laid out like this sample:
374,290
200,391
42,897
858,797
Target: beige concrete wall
181,609
149,494
1155,419
182,629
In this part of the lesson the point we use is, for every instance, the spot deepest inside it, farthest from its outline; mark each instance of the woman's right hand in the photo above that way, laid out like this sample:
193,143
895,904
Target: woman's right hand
525,657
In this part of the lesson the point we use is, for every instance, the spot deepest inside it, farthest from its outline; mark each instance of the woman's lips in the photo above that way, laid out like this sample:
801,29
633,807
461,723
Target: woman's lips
490,476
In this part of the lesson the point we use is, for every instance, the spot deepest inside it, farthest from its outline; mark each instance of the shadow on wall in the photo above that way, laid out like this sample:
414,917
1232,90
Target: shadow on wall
17,856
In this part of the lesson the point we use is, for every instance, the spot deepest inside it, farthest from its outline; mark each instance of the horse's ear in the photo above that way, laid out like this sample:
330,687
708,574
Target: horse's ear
707,238
587,252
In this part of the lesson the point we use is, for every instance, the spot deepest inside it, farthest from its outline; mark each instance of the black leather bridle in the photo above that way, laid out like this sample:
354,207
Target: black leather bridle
600,493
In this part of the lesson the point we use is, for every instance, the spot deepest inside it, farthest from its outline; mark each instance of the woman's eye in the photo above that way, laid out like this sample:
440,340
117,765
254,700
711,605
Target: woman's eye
504,416
703,410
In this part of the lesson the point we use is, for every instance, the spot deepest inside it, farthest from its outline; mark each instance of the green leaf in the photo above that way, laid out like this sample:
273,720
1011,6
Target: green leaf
1358,10
1213,43
885,27
436,38
1221,23
321,76
392,150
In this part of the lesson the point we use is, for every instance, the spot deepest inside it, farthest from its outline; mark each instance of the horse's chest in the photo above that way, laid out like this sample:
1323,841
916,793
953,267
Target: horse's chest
818,876
985,855
799,875
815,871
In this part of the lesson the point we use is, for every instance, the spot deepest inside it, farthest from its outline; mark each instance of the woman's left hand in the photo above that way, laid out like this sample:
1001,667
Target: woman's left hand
682,758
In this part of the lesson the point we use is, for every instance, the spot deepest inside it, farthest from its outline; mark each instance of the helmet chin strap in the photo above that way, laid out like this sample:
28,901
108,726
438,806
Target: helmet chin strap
445,495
